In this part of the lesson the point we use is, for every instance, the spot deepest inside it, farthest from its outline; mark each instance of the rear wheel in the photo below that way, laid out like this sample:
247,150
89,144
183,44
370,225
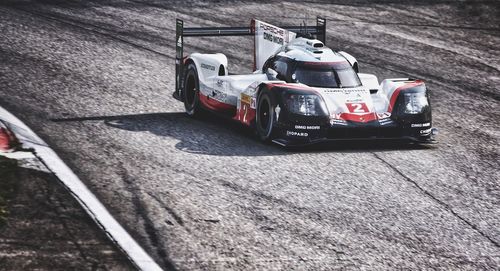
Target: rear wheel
265,116
191,93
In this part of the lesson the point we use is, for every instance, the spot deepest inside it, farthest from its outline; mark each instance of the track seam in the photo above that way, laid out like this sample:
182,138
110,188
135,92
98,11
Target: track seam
440,202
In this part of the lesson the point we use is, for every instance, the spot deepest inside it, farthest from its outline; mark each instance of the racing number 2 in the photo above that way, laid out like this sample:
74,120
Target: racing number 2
357,107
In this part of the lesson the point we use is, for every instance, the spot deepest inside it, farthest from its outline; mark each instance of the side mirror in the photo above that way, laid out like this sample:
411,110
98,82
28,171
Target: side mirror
272,74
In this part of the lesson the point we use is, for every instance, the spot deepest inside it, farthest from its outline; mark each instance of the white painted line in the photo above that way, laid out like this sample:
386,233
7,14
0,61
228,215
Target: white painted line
88,201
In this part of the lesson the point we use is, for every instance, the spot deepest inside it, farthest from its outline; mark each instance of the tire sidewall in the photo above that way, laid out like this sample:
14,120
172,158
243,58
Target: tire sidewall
265,134
191,108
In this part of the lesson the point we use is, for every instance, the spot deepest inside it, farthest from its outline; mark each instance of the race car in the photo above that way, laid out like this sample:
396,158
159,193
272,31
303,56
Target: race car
301,92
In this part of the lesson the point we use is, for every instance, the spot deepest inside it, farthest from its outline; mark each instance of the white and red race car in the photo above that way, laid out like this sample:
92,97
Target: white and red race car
301,92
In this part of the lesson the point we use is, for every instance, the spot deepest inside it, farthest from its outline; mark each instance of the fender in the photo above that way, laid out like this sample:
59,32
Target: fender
394,87
209,65
369,81
351,60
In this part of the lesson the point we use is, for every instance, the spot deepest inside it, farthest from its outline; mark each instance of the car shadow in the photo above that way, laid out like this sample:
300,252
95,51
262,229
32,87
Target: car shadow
213,135
209,134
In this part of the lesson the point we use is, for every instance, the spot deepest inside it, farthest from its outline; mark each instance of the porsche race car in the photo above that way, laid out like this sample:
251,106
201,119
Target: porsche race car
301,92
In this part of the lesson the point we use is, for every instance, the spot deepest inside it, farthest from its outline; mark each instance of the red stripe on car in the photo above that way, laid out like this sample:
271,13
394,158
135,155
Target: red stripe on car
215,105
293,86
358,117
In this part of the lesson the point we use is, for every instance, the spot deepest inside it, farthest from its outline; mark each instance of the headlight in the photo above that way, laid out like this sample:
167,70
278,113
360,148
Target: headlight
415,102
306,104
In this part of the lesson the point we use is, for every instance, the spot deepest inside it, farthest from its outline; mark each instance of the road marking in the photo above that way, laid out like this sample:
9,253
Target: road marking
81,193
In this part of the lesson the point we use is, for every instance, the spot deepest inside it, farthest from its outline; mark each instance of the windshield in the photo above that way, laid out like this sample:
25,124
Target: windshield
326,75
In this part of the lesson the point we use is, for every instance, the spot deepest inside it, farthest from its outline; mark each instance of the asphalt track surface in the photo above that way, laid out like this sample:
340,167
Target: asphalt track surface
94,79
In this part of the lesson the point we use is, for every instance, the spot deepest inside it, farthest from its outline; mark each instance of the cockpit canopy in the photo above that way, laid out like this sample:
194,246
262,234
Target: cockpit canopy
315,74
325,75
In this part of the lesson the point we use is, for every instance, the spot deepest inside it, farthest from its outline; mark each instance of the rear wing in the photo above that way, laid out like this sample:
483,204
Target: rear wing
318,31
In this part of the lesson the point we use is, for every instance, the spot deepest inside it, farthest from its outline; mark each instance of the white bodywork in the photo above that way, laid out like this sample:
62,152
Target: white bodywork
349,58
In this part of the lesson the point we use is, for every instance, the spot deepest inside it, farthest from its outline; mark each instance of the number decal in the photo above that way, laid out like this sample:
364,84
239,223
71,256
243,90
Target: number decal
357,107
245,109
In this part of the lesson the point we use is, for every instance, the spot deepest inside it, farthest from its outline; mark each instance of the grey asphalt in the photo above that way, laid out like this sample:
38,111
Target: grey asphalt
94,79
45,228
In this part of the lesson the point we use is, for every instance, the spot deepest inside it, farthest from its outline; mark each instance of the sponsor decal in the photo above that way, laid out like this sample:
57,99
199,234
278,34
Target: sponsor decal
385,121
218,95
254,85
338,122
219,83
295,133
384,115
426,131
427,124
207,66
277,110
384,118
178,44
272,38
246,98
345,91
304,127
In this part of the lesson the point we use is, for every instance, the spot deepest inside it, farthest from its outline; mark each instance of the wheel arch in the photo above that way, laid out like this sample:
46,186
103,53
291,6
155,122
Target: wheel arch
273,90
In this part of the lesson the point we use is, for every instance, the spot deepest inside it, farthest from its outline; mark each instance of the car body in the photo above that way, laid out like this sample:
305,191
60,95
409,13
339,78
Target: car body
302,92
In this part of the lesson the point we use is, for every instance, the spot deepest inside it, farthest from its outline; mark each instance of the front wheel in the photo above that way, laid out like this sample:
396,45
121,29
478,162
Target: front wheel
265,117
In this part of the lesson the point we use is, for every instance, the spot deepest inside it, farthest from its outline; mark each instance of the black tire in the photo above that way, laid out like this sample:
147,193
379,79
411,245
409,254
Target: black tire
265,117
191,91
